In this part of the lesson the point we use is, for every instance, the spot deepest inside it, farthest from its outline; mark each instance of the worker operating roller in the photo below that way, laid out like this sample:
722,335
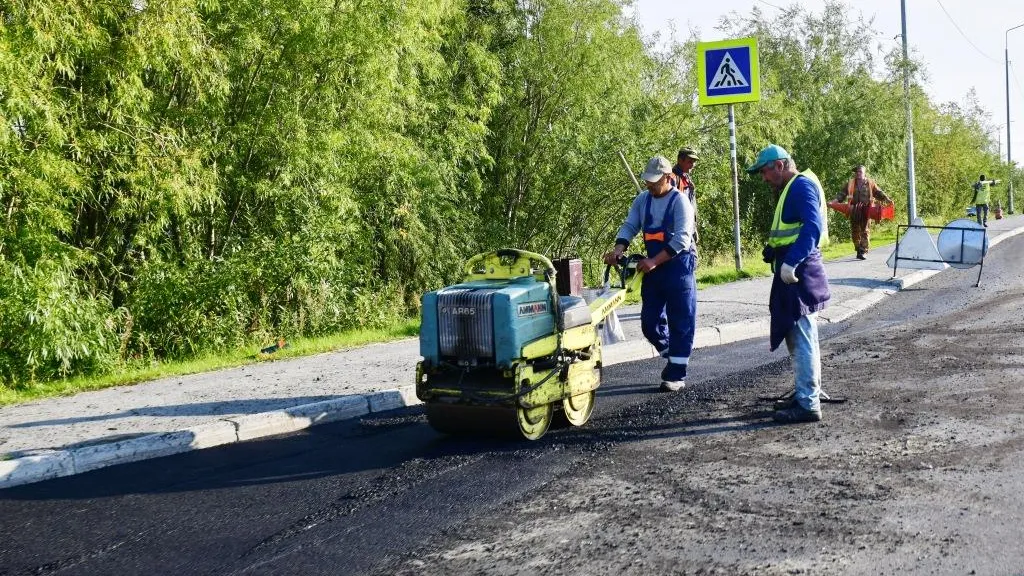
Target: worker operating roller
669,293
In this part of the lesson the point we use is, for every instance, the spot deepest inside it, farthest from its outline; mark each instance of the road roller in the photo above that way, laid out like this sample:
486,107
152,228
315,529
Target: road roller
504,353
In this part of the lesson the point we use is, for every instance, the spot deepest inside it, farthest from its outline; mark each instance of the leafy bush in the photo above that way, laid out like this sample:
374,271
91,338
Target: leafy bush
193,175
50,327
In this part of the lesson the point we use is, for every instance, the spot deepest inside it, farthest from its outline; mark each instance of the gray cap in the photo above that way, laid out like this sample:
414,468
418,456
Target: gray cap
656,168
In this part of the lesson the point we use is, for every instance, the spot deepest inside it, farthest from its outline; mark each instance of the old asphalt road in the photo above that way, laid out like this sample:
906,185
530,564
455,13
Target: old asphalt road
920,472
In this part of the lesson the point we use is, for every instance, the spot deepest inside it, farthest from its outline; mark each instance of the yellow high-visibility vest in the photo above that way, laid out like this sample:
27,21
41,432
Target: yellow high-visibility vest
784,233
982,191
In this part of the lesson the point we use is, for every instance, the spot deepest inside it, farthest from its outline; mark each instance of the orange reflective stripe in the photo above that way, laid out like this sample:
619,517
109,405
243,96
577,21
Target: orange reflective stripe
660,236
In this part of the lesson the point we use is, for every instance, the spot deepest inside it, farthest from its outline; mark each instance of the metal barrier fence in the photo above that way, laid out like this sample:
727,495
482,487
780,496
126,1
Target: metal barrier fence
961,246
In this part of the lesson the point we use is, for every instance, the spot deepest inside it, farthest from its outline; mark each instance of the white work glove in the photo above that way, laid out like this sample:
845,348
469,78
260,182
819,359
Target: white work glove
788,274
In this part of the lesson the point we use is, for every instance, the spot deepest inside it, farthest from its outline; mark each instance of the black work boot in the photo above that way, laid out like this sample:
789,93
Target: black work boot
785,403
796,414
673,377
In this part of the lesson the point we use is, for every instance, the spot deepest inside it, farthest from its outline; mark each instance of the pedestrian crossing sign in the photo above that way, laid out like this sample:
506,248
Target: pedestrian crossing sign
728,71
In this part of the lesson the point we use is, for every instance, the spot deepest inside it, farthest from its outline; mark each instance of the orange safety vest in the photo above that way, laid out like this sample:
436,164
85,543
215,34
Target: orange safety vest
851,187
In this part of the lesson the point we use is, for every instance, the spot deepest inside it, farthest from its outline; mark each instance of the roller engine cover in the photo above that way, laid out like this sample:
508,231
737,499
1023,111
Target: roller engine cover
484,322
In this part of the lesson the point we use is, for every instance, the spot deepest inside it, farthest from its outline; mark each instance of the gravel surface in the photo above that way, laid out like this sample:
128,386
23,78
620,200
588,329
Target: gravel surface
920,472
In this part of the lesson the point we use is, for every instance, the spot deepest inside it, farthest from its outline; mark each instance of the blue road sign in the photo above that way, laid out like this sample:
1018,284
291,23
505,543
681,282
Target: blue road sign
728,71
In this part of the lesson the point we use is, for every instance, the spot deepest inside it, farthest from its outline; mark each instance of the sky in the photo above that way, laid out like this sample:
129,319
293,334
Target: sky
962,44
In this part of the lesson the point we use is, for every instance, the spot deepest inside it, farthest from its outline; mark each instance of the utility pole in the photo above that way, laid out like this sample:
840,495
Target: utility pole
1009,147
911,186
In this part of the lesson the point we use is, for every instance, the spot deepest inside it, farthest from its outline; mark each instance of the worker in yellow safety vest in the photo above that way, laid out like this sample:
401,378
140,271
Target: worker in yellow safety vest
981,198
800,286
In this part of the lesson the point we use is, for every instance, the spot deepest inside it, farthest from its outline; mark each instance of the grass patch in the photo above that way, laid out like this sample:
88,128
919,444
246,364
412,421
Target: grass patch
135,373
843,248
724,272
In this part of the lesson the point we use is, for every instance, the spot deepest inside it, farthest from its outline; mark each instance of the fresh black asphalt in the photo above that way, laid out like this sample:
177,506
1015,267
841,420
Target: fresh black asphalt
349,498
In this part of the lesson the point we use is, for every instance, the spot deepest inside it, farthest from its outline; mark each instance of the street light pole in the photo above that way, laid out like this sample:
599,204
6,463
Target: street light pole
1009,147
911,187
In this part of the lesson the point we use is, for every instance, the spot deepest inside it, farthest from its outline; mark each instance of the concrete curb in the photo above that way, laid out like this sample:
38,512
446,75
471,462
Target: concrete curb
58,463
1005,236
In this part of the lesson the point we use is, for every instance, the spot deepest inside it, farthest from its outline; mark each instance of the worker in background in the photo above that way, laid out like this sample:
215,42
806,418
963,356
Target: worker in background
685,161
861,193
668,294
681,179
982,189
799,287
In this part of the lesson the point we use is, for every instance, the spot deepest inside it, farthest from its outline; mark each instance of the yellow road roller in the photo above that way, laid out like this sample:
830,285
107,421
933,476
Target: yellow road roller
503,352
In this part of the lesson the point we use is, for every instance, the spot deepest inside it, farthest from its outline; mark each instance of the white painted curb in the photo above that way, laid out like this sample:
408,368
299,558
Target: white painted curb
72,461
334,410
35,468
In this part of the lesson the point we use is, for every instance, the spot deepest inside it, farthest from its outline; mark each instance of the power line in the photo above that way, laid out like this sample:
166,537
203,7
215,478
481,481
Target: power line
952,21
772,5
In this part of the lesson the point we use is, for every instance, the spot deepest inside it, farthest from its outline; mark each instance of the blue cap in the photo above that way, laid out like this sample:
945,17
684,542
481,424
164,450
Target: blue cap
768,154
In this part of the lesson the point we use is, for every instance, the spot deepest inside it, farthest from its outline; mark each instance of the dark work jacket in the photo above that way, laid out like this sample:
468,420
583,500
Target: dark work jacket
682,181
788,302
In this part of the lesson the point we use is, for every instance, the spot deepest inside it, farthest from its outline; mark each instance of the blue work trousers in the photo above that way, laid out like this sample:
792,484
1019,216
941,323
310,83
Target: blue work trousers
668,314
981,212
802,342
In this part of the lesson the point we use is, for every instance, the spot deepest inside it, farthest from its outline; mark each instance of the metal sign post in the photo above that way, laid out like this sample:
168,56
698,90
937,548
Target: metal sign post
729,73
735,190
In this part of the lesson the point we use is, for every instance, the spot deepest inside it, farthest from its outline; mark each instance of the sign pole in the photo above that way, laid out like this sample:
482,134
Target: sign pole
728,72
735,190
